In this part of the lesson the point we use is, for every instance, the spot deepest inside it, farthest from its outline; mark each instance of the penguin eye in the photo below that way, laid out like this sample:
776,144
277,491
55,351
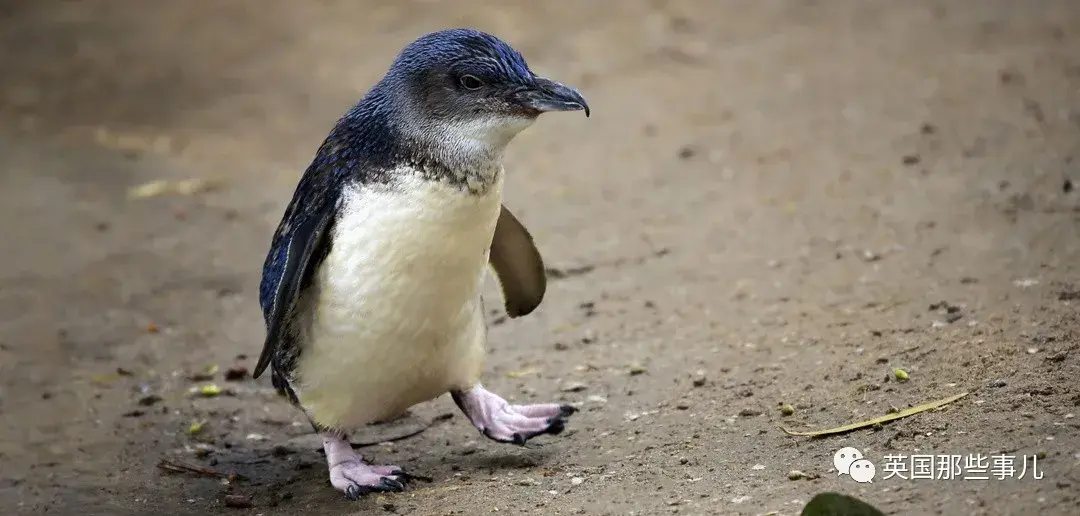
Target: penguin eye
470,82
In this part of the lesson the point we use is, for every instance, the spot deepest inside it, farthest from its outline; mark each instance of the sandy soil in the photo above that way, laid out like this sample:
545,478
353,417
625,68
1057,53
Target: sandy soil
775,202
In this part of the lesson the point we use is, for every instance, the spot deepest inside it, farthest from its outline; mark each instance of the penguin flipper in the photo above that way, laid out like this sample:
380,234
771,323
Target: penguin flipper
518,265
304,250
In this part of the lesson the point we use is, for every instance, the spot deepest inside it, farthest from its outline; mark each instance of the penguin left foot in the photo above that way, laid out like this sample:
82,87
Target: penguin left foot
354,477
500,421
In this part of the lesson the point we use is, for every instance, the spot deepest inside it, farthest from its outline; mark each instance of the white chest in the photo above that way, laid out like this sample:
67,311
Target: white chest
398,317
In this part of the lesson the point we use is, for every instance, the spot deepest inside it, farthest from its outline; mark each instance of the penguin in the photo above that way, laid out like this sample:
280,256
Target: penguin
371,289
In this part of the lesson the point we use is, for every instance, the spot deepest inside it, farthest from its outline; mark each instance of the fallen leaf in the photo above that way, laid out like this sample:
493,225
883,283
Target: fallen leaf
196,427
522,373
158,187
105,380
209,390
878,420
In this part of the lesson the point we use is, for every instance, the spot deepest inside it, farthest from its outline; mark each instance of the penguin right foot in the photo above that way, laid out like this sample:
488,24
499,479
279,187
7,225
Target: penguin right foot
357,479
354,477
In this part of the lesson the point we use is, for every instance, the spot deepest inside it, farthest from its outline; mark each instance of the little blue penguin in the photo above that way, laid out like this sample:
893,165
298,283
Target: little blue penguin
371,288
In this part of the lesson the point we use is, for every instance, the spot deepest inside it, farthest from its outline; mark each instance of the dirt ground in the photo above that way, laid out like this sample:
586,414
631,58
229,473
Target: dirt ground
775,202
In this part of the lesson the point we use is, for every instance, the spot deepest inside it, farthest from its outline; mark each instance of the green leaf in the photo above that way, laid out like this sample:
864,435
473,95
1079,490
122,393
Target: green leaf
836,504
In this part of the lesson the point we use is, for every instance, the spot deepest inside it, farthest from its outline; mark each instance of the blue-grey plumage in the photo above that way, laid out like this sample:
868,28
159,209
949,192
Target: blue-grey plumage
370,290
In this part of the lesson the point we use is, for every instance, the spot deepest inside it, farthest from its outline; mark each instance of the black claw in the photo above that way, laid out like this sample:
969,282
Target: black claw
353,492
555,426
566,410
409,477
386,485
389,484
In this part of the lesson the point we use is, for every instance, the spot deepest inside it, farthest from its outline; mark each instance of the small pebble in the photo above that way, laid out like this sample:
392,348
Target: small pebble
205,375
577,481
237,501
203,450
636,369
1026,282
573,387
786,409
748,412
596,399
997,383
148,400
281,450
700,379
682,405
795,475
236,373
900,374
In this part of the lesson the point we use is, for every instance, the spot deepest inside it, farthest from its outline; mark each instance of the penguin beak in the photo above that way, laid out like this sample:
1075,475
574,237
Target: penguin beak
546,95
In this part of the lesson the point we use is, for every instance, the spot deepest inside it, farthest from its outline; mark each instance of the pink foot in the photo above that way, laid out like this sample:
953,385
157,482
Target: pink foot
506,423
352,476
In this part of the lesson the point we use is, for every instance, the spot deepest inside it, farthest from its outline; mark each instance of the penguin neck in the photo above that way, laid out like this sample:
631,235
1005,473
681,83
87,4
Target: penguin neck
468,154
378,146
